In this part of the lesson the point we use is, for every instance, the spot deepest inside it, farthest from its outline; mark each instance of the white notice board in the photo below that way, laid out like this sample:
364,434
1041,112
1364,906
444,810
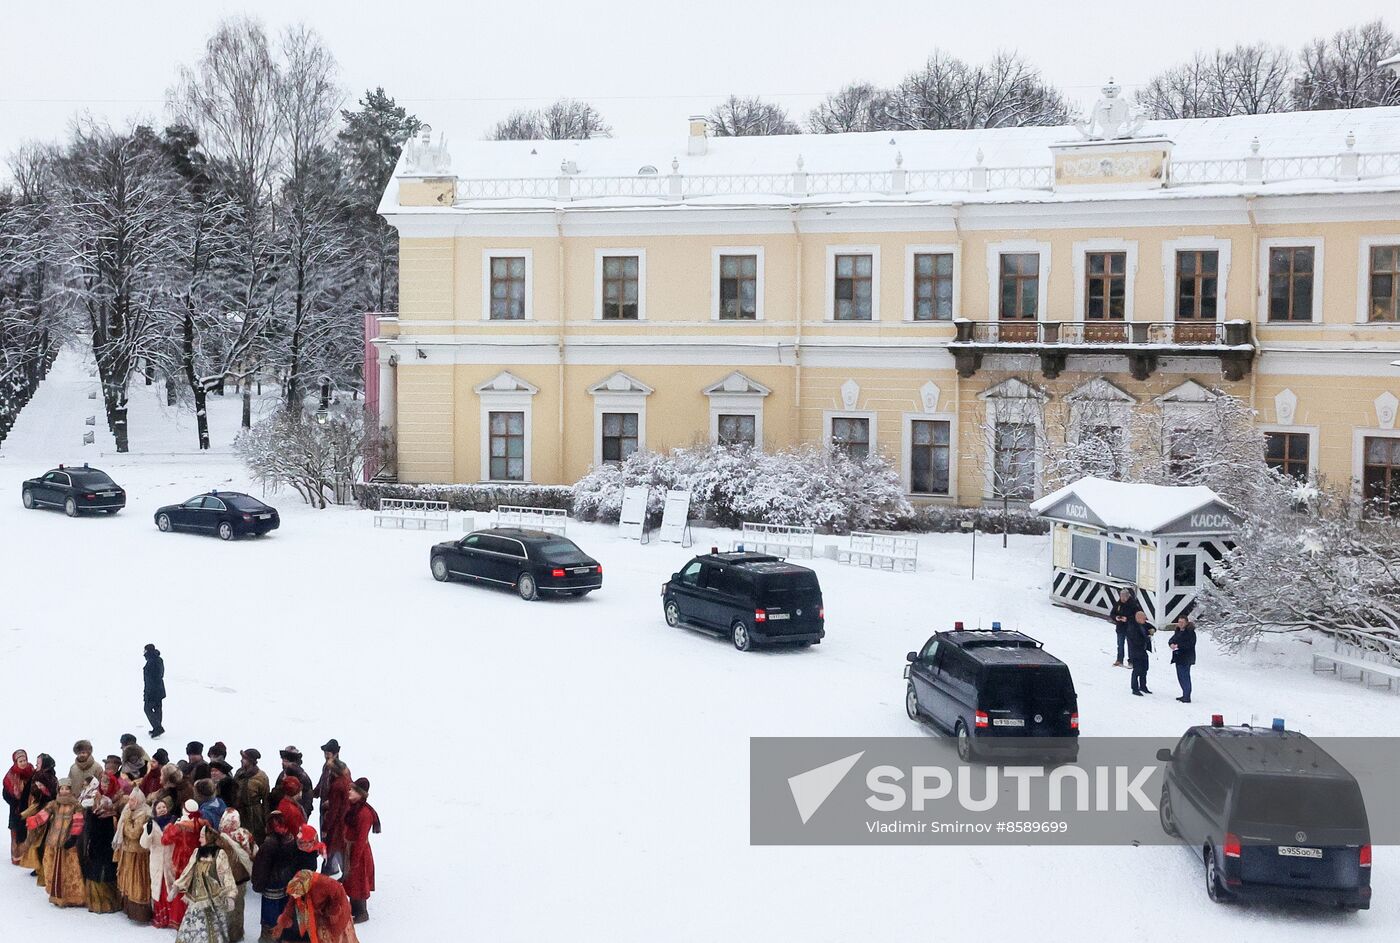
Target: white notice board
634,511
675,517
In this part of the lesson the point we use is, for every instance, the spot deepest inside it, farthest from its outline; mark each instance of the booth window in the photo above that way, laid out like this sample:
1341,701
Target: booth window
1122,562
1184,569
1086,553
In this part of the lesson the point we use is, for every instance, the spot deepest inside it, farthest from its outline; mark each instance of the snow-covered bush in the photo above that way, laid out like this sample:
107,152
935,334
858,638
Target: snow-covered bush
947,519
320,458
482,497
807,485
1306,562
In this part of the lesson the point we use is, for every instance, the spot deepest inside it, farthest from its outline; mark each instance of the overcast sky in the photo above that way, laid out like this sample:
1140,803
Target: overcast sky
647,66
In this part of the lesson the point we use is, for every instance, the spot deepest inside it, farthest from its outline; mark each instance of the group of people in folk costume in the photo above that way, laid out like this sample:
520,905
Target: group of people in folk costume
177,845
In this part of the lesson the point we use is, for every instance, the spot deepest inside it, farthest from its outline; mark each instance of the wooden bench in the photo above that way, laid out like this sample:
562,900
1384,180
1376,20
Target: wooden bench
1366,670
550,520
883,551
784,540
412,513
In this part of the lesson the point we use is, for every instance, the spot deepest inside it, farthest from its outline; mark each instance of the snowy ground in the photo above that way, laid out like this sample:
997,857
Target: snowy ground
575,769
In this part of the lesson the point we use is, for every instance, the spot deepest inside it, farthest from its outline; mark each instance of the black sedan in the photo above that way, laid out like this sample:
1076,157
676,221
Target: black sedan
229,514
76,490
531,562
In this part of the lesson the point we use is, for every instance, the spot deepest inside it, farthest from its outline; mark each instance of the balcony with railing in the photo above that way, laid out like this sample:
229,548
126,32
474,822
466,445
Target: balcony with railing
1143,343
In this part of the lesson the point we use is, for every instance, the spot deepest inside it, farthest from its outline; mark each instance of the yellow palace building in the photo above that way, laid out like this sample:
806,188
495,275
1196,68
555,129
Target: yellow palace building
564,303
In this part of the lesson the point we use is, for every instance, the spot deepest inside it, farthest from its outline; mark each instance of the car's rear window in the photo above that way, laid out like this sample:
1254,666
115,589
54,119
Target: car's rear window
559,548
1301,802
778,589
241,502
93,479
1012,686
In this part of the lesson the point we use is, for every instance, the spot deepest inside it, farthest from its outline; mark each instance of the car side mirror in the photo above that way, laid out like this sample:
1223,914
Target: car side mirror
1164,755
912,656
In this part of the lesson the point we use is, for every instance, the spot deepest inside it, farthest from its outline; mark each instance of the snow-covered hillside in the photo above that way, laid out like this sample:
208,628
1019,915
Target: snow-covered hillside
574,770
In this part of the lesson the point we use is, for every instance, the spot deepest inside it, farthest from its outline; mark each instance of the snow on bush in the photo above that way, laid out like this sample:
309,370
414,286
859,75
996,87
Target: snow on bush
1306,561
320,458
483,497
807,485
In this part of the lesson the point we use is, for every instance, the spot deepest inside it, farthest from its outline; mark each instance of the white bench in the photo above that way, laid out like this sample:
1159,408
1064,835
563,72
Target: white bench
787,540
550,520
884,551
412,513
1366,670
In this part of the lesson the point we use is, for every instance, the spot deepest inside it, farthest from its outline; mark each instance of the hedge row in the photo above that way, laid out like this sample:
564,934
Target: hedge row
469,497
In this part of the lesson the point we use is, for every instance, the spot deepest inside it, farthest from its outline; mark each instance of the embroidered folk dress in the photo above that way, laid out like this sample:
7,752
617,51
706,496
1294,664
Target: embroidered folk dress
63,873
209,890
133,864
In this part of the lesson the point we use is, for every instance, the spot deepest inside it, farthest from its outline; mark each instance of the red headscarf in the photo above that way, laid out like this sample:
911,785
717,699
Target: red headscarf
18,775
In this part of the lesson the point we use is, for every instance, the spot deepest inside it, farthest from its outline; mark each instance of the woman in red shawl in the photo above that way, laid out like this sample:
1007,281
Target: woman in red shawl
359,857
320,910
43,789
290,805
16,792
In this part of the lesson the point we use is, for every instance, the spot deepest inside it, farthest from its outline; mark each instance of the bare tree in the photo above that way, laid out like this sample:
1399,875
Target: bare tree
1245,80
949,93
743,117
113,241
1341,71
232,99
859,106
566,120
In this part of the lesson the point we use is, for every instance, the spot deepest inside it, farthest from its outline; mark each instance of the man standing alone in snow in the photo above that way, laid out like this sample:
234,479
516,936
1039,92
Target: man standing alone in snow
1139,644
154,674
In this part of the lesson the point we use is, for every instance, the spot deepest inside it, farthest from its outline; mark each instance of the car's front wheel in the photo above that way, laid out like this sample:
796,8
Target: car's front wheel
1215,883
527,588
964,742
27,499
163,523
673,614
439,568
739,635
911,703
70,507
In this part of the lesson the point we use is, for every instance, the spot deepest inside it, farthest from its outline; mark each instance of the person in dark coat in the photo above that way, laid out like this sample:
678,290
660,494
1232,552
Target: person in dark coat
1121,615
16,791
154,675
276,863
194,766
1139,644
1183,646
225,785
360,821
334,792
291,766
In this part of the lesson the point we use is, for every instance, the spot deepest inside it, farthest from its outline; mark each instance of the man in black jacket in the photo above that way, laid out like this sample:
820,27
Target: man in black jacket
1139,644
1183,646
154,675
1121,615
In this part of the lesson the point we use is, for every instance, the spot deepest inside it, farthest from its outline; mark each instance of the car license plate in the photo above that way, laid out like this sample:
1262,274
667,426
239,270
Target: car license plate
1293,851
106,494
778,616
264,517
581,569
1008,722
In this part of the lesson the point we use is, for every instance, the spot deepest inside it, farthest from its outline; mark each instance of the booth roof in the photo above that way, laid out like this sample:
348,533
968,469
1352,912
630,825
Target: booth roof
1136,507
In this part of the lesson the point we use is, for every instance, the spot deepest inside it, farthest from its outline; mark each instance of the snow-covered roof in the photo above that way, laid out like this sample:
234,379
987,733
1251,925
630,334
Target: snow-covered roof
494,171
1145,509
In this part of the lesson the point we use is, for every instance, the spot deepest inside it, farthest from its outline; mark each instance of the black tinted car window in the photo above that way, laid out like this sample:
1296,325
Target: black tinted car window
958,667
1213,776
511,547
213,504
243,502
717,579
93,479
1014,686
778,590
558,548
194,503
1301,802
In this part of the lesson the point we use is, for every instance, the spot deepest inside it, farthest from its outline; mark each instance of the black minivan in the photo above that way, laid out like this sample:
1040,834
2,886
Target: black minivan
1271,815
999,693
751,598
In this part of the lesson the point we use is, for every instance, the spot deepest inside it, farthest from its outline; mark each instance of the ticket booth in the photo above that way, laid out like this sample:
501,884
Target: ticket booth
1159,541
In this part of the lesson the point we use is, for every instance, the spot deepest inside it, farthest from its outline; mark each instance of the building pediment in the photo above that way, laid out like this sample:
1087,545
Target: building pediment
1012,388
737,384
1099,390
620,382
506,382
1188,392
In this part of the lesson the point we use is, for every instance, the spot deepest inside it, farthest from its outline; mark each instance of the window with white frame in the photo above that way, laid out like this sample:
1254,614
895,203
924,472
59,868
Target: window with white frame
1197,284
737,429
621,284
1383,280
507,288
1291,283
853,289
738,289
1288,453
1105,286
851,434
1018,286
620,433
1380,474
932,289
507,445
930,456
